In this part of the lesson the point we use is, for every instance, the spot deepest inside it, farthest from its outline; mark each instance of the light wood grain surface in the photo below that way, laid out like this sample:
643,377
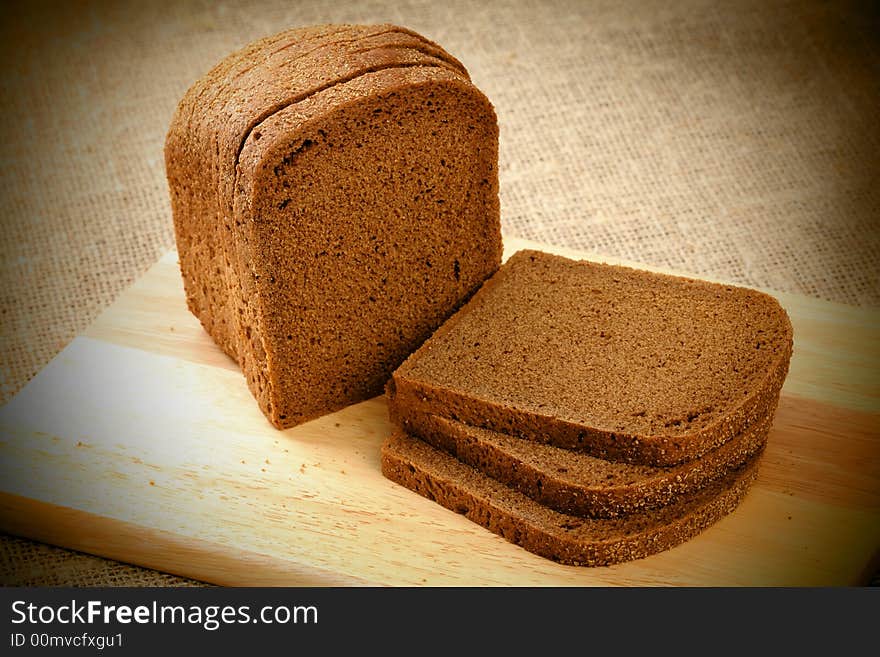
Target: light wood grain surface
141,442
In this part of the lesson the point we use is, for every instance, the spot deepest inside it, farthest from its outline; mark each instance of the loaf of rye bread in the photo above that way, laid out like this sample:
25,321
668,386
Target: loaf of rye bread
335,199
622,364
564,538
576,483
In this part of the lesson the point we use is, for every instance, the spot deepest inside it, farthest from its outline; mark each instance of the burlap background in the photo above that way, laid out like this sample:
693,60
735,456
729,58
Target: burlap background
736,140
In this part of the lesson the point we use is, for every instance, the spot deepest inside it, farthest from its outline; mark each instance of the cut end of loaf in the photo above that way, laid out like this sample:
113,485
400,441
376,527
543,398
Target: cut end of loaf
365,224
335,196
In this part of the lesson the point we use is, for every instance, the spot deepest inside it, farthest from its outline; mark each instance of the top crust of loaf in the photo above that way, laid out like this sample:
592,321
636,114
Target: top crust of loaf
623,364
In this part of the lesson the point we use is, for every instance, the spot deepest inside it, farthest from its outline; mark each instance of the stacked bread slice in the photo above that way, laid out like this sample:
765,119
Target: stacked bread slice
590,413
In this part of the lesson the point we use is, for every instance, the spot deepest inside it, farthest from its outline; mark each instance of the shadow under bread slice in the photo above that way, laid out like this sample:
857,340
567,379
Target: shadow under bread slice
574,482
564,538
624,364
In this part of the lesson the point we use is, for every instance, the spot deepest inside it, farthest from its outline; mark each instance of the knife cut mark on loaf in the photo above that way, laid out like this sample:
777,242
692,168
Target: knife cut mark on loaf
342,80
361,35
241,62
396,49
304,41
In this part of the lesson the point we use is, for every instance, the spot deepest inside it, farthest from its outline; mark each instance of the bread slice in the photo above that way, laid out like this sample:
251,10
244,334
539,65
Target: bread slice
328,188
548,533
622,364
573,482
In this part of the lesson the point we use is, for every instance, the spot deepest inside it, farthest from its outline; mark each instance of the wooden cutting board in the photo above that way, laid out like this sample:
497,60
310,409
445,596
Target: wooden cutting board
141,442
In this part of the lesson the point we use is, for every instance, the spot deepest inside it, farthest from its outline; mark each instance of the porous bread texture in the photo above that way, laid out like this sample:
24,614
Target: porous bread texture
397,276
622,364
564,538
329,186
573,482
218,113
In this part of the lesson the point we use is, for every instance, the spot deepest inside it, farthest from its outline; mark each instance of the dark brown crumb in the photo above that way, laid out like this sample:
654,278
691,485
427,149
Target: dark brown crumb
574,482
624,364
564,538
326,223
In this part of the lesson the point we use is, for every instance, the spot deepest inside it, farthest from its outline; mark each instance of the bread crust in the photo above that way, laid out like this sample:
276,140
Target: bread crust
564,538
193,166
205,141
573,482
238,185
425,384
306,122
